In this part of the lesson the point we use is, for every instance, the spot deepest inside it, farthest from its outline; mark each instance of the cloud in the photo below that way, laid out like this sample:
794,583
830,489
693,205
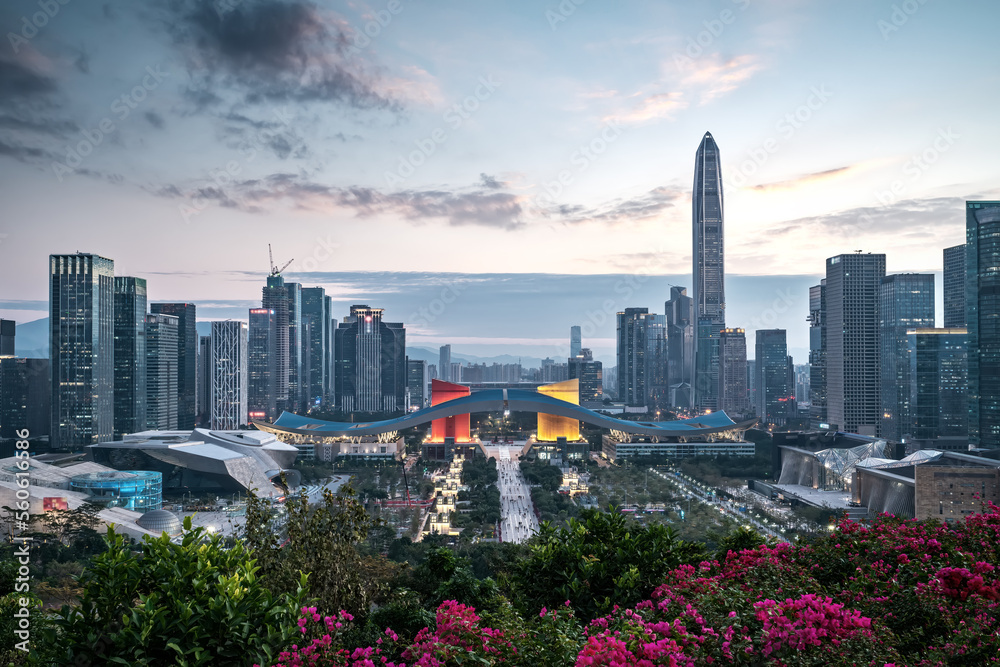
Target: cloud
713,77
273,51
806,179
653,107
154,119
19,81
644,207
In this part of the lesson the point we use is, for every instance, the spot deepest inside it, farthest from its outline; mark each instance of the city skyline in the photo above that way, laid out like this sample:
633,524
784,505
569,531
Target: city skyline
822,183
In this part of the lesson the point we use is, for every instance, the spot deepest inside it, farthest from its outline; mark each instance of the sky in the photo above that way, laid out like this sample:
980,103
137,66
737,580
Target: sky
539,155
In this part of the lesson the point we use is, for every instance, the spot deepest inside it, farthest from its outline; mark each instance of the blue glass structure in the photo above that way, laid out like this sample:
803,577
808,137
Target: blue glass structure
136,490
982,307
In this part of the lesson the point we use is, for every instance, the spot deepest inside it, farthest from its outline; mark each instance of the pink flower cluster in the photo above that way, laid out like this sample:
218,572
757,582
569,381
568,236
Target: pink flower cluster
458,633
810,620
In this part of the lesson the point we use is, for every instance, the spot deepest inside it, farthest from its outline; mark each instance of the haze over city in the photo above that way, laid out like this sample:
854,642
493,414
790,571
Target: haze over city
535,155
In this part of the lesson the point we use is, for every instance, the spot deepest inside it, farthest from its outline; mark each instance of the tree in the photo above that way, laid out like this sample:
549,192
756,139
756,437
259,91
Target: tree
188,604
598,561
322,541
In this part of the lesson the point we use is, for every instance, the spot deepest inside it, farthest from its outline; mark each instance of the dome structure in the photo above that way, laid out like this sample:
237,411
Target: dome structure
160,521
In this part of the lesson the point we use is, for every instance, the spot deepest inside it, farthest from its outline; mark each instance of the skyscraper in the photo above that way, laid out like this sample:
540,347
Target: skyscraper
24,399
162,363
733,395
982,309
631,336
657,385
954,286
906,302
771,368
371,362
8,329
444,363
939,406
817,355
229,382
204,381
575,341
297,371
275,297
130,356
852,337
708,271
680,347
416,382
187,359
262,398
591,376
315,311
81,349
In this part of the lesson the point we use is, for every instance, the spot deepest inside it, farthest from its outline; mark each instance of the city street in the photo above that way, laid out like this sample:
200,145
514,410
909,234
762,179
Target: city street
518,521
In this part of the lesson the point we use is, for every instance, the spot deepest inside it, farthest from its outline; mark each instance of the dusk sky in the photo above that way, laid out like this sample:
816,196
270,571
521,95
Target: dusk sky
497,141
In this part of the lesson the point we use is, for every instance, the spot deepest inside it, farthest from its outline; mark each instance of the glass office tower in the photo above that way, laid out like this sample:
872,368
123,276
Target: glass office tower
130,355
982,307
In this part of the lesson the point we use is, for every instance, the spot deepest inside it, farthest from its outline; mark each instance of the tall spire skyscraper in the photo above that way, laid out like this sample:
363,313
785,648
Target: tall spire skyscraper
708,271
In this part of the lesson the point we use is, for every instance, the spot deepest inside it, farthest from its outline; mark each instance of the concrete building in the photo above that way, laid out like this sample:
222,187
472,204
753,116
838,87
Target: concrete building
229,375
733,372
851,324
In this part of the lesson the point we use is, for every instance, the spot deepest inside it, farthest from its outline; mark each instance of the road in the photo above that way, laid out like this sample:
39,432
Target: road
518,522
728,508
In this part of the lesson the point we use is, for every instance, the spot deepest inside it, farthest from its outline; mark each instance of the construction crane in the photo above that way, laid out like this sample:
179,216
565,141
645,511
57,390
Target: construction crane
275,271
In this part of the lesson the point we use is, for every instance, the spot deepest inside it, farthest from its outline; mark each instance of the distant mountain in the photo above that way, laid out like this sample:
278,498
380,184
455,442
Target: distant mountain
31,339
431,356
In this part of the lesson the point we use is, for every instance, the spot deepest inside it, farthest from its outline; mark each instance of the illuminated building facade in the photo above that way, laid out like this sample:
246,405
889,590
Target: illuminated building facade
458,426
130,355
262,364
553,427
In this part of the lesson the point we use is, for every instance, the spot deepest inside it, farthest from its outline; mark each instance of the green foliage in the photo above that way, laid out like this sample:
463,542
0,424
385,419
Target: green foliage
598,561
322,540
189,603
737,540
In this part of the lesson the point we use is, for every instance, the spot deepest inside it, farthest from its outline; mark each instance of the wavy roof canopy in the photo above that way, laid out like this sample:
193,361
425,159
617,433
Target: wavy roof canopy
495,400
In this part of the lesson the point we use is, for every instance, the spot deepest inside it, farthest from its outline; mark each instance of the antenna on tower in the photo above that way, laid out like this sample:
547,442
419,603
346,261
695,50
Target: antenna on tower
275,271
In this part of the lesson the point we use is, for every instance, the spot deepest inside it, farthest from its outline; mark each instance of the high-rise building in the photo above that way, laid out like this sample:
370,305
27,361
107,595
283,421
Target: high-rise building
331,352
733,395
204,381
575,342
771,368
162,364
275,297
817,355
680,347
591,376
229,381
657,383
631,332
371,362
81,349
8,329
851,321
262,361
130,356
708,271
752,381
24,399
906,301
444,364
954,286
315,312
939,406
982,310
187,359
297,371
416,382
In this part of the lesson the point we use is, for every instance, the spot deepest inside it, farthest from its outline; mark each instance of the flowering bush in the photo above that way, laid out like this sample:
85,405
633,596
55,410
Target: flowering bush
891,592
